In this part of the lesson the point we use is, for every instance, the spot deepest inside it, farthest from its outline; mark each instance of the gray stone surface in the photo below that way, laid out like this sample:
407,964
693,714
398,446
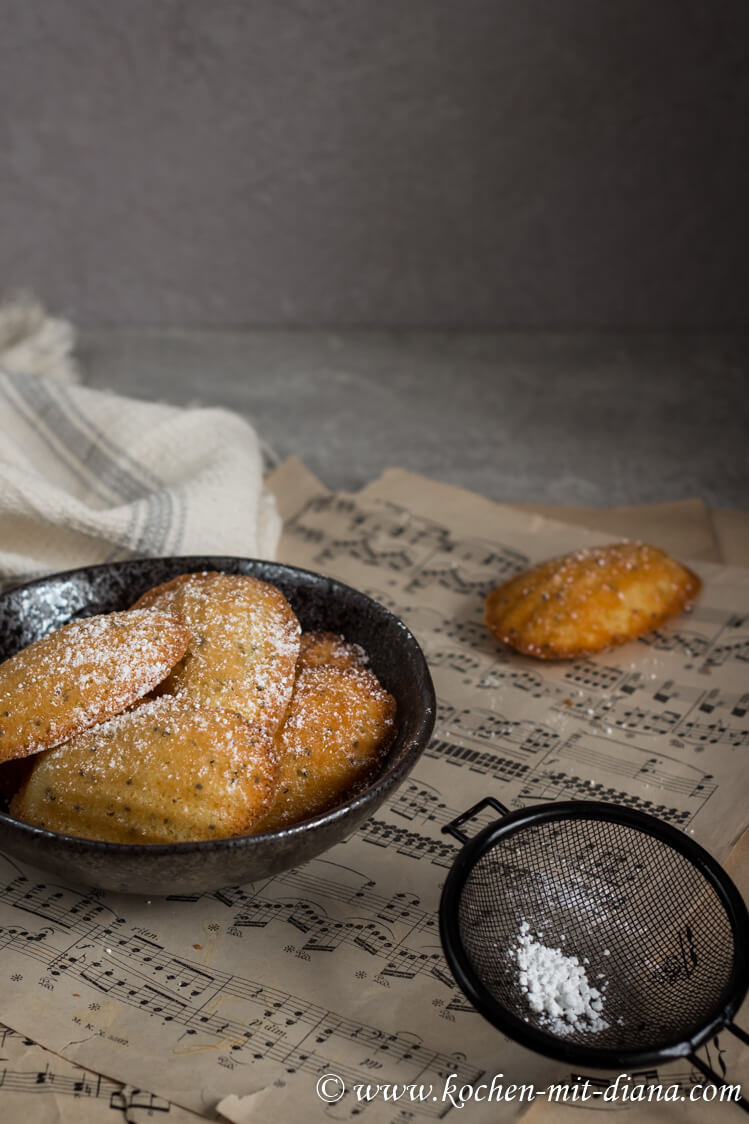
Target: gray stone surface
496,163
559,418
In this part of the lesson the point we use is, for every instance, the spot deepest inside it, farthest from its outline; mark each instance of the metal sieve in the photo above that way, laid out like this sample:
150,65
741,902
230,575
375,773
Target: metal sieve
658,924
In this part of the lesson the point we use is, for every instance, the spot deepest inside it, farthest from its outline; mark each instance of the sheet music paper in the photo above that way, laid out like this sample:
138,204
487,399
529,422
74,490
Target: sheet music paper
336,966
41,1086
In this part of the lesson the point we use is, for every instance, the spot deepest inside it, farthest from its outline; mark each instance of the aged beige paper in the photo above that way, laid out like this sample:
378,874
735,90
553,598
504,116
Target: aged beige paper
682,528
686,528
336,967
43,1088
292,484
732,534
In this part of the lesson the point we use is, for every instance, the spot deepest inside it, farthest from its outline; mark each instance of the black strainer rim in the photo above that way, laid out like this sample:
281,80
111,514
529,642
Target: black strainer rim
552,1046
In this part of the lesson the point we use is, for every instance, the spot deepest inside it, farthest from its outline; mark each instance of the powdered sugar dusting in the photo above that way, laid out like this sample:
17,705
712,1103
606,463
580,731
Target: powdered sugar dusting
82,674
331,649
163,771
589,599
244,646
338,726
556,987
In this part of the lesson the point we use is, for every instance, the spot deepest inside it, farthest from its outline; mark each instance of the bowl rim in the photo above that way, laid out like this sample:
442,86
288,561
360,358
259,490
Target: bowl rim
417,740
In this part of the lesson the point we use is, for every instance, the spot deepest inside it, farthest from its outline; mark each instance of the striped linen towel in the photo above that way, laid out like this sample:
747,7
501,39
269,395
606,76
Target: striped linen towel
89,477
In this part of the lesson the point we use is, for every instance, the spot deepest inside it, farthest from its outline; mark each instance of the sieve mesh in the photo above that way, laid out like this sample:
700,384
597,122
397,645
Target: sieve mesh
653,933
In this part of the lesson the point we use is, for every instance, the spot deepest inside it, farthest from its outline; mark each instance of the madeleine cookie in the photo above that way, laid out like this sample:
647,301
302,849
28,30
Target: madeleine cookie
329,648
82,674
244,647
164,772
339,724
589,600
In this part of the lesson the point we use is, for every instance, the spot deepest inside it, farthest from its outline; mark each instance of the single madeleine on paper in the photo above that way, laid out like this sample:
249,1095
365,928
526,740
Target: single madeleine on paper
589,600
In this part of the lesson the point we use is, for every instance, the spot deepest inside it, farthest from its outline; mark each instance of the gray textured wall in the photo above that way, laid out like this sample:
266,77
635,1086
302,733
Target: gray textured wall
524,163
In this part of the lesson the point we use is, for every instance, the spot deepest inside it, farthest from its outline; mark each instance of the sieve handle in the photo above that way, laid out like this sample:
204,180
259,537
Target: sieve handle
454,826
742,1102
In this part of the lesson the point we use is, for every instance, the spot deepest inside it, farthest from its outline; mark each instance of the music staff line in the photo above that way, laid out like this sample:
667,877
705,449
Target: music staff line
389,537
382,928
264,1035
612,707
89,1086
559,762
386,536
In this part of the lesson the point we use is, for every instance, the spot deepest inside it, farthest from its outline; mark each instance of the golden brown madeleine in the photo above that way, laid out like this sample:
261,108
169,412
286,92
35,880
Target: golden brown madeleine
163,772
589,600
244,647
339,724
82,674
329,648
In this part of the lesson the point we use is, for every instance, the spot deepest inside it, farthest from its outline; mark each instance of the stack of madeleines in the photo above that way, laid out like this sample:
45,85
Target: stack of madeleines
202,712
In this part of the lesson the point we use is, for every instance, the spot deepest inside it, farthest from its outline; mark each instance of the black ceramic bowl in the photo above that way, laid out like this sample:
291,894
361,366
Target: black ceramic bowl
30,611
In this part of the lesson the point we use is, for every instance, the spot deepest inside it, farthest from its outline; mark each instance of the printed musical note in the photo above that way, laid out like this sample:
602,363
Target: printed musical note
472,566
681,961
409,843
731,643
594,676
714,733
30,1071
343,941
690,644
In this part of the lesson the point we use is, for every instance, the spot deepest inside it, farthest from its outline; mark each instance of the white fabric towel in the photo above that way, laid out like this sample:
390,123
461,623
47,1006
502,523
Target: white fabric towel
88,477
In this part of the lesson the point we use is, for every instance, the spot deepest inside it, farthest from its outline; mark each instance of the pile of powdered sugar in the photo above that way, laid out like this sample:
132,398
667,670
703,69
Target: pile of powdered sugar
556,987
